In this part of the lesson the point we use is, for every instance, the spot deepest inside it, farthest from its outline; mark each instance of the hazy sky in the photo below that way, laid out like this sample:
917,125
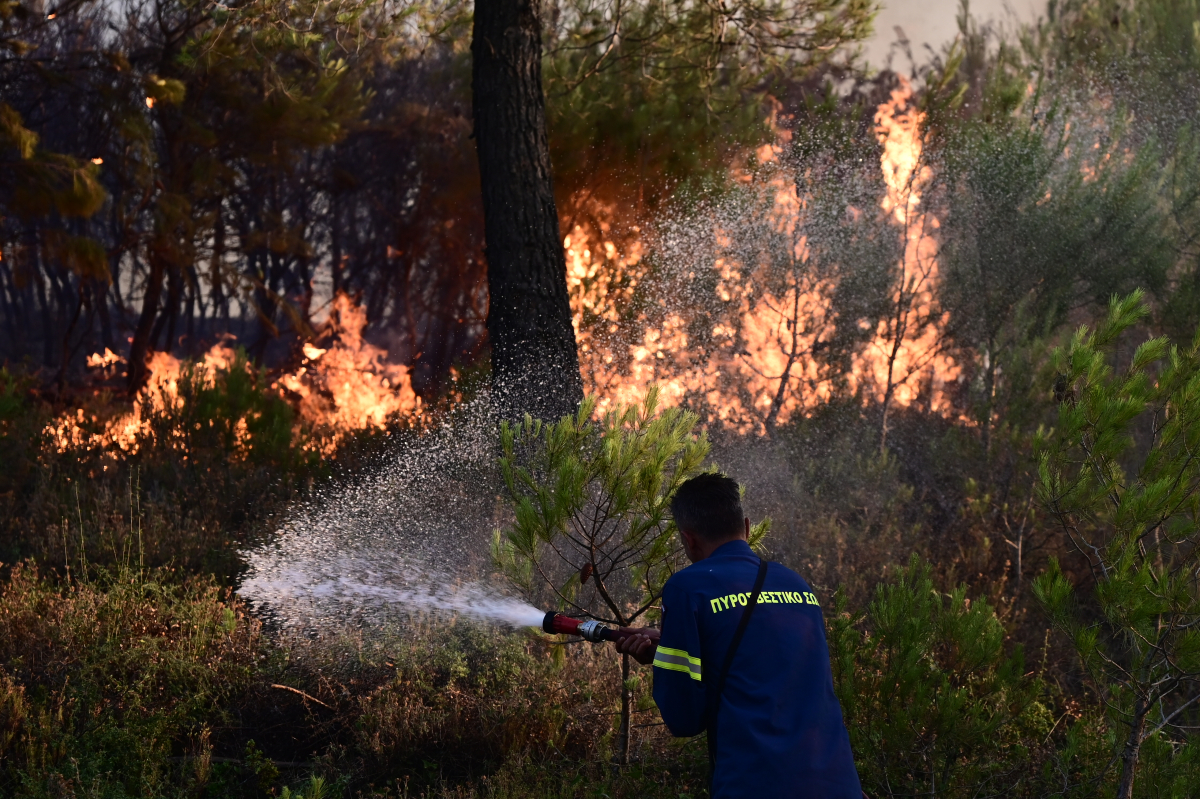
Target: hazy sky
933,22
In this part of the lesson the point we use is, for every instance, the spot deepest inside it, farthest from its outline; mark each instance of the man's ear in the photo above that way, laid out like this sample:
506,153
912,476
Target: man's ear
747,520
689,538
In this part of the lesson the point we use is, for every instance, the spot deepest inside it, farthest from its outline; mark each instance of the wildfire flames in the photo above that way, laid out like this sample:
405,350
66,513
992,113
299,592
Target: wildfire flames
350,385
749,370
898,128
758,370
345,386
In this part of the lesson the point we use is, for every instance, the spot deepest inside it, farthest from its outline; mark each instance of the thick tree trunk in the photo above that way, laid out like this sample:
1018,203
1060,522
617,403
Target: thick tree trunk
535,367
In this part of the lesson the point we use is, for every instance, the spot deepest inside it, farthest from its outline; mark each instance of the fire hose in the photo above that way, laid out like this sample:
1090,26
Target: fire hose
590,630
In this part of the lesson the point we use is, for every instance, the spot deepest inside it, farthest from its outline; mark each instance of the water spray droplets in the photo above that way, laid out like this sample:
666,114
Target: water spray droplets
408,541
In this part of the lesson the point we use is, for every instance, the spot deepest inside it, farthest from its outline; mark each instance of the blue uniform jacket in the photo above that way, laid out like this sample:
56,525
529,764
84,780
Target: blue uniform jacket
780,730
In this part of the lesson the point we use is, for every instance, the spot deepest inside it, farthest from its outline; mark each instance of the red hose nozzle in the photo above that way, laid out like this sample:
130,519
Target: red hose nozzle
590,630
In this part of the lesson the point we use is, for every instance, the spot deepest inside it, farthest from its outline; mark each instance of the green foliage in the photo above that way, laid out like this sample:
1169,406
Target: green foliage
15,408
1041,217
127,682
15,135
933,704
596,495
1038,221
1042,207
1129,509
1147,53
850,510
12,400
1141,62
627,81
82,255
316,789
38,183
165,90
1167,768
1181,191
474,714
21,441
475,700
592,532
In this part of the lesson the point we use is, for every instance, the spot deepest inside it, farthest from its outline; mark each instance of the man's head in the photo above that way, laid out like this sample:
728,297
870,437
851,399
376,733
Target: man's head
708,513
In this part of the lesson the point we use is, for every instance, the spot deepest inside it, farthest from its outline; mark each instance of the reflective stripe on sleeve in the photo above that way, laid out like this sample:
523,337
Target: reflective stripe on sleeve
677,660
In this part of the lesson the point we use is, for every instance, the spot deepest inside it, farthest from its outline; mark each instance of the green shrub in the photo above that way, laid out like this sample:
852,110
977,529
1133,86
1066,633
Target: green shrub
468,710
850,511
933,703
21,440
464,701
592,531
226,413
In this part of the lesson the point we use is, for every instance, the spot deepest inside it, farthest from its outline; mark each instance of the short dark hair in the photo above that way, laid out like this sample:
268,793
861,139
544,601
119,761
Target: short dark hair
709,505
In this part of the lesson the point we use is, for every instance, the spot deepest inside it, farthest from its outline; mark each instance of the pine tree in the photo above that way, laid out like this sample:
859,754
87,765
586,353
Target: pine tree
593,533
1131,513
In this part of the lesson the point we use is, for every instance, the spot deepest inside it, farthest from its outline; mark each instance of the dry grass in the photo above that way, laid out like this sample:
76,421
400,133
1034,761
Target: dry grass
129,682
102,679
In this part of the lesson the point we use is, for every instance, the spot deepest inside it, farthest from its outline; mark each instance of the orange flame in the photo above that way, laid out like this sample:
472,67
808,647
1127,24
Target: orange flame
747,371
350,385
908,344
344,387
759,370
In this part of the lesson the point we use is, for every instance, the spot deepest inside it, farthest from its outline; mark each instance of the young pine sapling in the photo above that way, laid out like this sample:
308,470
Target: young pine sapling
592,533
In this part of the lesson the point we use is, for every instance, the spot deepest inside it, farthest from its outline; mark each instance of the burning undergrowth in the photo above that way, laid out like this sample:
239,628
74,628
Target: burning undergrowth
340,384
818,276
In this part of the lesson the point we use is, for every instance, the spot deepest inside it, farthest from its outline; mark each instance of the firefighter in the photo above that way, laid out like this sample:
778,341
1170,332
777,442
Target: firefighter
764,694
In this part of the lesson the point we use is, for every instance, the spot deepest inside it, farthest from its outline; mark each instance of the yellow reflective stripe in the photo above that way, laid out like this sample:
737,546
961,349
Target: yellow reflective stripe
678,653
670,662
678,667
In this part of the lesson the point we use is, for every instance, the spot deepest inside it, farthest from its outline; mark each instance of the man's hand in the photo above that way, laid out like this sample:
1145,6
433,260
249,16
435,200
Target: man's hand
641,645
